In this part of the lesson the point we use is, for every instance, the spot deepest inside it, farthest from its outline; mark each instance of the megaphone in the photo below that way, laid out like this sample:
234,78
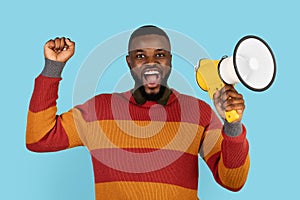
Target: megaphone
252,64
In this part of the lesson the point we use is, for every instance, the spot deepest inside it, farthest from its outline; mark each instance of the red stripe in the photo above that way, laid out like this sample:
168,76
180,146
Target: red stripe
234,153
235,150
146,165
44,94
118,107
55,140
212,163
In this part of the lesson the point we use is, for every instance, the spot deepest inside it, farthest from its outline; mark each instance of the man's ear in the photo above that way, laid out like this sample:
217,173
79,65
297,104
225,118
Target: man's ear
128,61
171,60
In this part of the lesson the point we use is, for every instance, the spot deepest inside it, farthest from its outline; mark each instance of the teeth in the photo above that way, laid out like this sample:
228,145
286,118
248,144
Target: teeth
151,73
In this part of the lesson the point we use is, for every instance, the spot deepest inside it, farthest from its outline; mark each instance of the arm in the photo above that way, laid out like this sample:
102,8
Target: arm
45,130
225,148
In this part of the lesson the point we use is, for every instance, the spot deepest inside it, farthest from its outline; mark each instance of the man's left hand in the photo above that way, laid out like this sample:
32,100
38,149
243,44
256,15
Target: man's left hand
228,99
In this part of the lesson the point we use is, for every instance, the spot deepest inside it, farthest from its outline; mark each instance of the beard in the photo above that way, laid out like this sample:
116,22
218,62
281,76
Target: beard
152,96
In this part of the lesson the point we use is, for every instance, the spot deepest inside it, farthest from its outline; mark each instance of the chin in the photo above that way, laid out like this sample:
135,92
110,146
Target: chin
152,90
152,94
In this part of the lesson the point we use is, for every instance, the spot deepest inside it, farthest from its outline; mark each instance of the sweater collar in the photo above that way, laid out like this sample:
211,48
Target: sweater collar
139,99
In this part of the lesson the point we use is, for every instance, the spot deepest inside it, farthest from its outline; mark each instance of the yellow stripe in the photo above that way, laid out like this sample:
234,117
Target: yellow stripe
39,124
131,134
142,191
236,177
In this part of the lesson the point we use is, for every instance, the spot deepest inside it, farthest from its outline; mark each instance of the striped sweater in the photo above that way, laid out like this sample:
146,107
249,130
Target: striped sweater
147,151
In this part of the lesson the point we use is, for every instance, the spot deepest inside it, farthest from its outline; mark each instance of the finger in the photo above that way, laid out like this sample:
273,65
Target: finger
57,44
233,101
240,107
228,87
62,44
240,111
228,91
70,44
217,94
231,95
50,44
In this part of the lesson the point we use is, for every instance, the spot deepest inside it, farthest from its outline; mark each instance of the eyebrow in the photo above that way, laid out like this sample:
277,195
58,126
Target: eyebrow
160,50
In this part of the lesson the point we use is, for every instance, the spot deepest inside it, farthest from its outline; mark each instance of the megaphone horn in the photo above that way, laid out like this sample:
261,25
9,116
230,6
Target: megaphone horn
252,63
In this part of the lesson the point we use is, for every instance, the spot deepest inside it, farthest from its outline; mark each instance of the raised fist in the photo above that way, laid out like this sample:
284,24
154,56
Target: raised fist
59,49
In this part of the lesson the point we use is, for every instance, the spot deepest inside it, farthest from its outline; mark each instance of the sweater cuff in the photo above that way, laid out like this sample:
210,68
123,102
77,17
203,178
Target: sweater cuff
232,129
52,68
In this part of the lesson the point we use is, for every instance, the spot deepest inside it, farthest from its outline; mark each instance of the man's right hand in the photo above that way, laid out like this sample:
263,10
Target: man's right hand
59,49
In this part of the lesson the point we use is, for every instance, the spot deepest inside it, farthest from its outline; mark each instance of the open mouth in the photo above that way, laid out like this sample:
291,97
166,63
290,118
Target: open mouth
152,76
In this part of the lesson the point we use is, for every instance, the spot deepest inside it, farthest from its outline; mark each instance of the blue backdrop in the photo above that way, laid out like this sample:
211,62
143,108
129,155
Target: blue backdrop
271,117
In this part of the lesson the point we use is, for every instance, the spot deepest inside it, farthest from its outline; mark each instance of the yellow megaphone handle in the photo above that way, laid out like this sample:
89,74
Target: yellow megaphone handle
231,116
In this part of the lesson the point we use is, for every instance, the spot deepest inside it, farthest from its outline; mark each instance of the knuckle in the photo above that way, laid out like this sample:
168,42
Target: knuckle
229,108
230,101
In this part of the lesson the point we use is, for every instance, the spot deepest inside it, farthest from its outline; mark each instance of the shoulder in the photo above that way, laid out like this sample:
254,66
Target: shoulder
95,100
193,109
188,99
109,98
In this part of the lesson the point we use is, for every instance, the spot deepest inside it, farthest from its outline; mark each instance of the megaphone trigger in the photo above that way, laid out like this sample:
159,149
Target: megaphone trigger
232,116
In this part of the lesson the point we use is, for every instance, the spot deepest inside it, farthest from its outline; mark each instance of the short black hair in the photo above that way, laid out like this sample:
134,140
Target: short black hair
147,30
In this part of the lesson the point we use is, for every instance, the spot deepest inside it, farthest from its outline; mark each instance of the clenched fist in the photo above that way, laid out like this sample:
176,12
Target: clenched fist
228,99
59,49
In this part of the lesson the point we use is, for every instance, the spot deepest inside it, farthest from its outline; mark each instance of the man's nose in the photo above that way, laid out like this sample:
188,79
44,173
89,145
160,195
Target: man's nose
151,60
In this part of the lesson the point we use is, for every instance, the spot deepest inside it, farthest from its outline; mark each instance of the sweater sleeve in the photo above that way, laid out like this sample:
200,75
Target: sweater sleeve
227,156
46,131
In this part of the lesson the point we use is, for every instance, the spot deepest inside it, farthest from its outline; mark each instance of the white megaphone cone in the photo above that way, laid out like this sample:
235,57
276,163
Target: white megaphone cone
252,63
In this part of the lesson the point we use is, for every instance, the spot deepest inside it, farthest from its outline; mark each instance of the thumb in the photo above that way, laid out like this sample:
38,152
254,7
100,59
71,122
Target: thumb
70,44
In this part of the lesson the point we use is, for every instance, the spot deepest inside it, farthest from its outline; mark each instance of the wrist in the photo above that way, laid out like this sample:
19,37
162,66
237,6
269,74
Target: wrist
53,68
232,129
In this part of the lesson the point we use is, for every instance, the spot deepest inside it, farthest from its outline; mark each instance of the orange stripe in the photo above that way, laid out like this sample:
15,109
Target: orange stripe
71,126
39,124
211,144
234,178
179,136
142,191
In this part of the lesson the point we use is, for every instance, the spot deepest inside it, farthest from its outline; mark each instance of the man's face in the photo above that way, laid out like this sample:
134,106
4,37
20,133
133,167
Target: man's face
149,60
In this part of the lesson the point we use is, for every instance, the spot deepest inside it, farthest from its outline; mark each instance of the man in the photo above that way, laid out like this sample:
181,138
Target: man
145,142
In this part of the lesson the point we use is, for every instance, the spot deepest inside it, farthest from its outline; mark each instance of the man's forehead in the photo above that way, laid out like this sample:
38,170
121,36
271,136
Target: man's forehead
150,41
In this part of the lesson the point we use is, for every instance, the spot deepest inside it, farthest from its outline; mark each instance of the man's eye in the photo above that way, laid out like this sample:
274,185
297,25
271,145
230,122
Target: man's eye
139,56
159,55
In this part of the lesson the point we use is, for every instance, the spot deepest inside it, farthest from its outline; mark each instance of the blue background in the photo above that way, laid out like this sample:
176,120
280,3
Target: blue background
271,117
